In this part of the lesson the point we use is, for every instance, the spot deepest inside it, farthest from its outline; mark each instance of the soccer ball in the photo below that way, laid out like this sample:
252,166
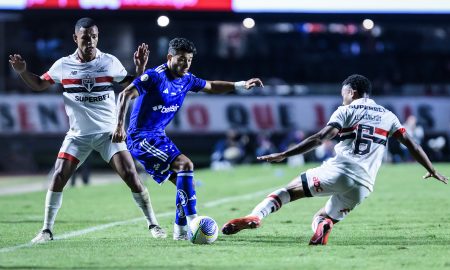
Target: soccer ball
203,230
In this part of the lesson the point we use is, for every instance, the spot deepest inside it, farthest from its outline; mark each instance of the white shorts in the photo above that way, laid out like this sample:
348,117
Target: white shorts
328,180
78,148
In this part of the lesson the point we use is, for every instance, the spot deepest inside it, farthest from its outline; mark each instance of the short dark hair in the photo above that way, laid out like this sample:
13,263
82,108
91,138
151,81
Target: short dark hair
85,23
359,83
181,44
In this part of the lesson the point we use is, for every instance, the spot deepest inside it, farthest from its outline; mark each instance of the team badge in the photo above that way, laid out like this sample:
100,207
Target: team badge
88,83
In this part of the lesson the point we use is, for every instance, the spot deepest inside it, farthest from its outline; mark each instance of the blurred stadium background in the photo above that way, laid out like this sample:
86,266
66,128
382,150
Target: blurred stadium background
302,50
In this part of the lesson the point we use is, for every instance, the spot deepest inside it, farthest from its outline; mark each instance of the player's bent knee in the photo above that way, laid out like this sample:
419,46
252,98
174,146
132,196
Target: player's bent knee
183,164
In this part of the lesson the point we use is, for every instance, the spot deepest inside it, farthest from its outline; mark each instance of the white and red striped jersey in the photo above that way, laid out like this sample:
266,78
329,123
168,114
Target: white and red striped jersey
88,92
364,129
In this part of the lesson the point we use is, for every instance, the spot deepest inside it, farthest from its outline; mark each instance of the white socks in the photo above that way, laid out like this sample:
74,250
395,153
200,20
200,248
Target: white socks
272,203
53,202
190,218
143,201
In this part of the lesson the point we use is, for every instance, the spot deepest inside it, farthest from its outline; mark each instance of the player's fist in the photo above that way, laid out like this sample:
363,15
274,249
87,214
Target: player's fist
253,82
276,157
436,175
18,64
118,135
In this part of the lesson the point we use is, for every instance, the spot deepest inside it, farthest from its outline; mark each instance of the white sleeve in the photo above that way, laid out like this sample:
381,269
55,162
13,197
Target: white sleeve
337,119
118,72
396,128
54,74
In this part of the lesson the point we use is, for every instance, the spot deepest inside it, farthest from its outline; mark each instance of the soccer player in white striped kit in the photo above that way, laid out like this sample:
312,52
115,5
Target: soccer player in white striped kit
87,77
363,128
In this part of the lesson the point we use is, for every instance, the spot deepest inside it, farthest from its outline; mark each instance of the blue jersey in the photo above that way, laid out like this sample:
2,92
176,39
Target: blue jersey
160,97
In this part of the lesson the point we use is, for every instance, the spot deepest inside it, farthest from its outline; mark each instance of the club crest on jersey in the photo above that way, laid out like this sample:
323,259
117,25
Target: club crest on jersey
144,77
88,83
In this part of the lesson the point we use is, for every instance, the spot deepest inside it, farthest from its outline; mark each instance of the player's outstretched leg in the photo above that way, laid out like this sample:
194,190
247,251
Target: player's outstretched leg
53,200
123,164
322,230
270,204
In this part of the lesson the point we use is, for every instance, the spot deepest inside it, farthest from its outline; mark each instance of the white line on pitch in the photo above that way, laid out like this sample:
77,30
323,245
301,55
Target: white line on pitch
129,221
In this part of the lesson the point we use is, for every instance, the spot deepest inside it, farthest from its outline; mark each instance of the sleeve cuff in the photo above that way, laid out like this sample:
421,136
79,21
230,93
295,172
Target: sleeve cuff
335,125
399,132
47,77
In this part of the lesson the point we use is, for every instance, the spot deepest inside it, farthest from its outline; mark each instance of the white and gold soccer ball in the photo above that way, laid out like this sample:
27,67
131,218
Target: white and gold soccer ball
203,230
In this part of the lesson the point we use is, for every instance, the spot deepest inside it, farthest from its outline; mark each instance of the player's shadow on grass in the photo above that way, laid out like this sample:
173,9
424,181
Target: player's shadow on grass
400,241
33,221
272,240
89,267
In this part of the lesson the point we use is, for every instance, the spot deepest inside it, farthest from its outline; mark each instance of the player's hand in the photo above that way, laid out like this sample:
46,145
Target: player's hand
18,64
119,135
253,82
276,157
140,56
436,175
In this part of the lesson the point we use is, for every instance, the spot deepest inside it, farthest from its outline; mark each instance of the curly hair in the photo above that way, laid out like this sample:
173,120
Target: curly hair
181,44
85,23
359,83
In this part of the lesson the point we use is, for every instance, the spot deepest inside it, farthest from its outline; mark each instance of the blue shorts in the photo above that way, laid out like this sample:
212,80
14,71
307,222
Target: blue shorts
154,152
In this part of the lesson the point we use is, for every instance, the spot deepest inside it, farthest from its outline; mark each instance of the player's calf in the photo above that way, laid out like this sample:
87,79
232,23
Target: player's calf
272,203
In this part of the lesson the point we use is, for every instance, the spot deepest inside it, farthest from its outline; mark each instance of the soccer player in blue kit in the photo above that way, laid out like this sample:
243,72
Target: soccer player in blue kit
159,94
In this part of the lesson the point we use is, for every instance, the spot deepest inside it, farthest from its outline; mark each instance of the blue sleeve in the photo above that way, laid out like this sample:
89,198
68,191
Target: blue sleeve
146,81
197,84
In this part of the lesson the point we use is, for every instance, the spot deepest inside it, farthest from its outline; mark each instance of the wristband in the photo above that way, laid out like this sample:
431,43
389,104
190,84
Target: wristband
240,86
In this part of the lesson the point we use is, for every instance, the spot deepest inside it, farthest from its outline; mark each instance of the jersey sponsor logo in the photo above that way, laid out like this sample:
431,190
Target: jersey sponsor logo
366,116
165,109
88,83
101,69
317,186
91,99
365,107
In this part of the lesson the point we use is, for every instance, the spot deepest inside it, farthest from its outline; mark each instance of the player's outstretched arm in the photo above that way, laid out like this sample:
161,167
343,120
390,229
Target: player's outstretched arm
125,96
32,80
220,87
421,157
307,145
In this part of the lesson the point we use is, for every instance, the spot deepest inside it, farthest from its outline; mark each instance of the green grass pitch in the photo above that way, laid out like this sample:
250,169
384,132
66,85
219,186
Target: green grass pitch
404,224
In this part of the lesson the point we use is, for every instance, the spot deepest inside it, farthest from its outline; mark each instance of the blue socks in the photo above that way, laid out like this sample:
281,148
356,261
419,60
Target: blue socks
180,217
186,199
